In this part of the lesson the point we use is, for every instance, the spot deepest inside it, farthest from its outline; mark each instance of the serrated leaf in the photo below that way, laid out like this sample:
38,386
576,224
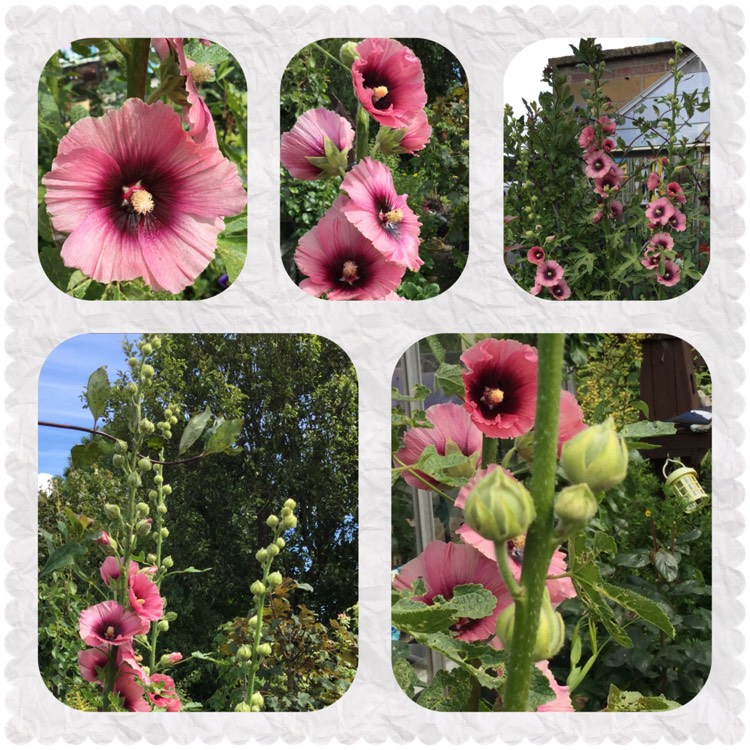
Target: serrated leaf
450,379
604,543
194,429
233,252
437,349
631,701
405,676
417,617
540,690
211,55
645,608
667,565
97,392
453,469
62,557
473,601
645,429
82,456
223,436
449,691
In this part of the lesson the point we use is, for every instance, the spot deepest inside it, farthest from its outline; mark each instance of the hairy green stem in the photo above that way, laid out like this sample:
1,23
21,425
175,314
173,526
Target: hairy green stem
539,545
362,141
159,576
138,51
331,57
503,565
489,451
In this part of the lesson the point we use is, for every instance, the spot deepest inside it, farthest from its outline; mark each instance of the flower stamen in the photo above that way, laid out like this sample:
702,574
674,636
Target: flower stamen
109,633
142,202
379,92
493,397
394,217
350,274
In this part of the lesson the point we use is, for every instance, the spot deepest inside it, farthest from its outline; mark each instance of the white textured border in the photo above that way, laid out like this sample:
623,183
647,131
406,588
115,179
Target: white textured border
375,334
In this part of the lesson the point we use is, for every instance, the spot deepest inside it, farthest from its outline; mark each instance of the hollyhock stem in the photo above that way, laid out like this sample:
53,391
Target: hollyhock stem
110,675
331,57
503,564
159,524
539,539
489,451
137,67
362,139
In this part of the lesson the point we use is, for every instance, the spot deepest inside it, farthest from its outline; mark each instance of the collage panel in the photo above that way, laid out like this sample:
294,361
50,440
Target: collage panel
198,523
142,148
374,169
607,169
552,522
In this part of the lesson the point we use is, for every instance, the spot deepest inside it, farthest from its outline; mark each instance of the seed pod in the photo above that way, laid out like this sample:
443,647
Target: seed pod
596,457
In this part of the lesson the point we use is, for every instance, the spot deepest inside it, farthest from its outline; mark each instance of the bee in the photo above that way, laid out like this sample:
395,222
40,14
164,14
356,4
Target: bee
516,548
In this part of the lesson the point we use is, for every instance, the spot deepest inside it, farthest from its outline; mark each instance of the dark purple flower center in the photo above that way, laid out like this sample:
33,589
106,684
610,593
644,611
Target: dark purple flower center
349,272
381,88
493,391
389,217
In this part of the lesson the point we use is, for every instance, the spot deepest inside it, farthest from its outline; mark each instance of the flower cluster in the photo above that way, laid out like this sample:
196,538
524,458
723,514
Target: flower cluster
135,194
663,217
362,246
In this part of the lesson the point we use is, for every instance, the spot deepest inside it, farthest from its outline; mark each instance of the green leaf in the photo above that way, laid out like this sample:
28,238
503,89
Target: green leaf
211,55
474,601
667,565
449,691
645,608
186,570
453,469
450,379
637,559
233,252
87,454
405,676
417,617
646,429
78,112
631,701
437,349
604,543
62,557
540,691
97,392
194,429
222,437
78,284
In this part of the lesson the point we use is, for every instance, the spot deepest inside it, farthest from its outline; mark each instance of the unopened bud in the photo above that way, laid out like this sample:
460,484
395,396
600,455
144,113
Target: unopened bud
575,506
348,54
264,649
525,447
550,633
142,508
144,464
143,528
166,489
290,522
112,511
161,509
257,588
252,622
169,616
272,521
146,425
274,579
158,479
261,555
121,446
168,562
167,434
596,457
118,461
134,479
164,533
242,707
151,558
499,507
163,626
245,653
257,699
131,388
153,496
272,549
133,361
173,421
280,543
290,504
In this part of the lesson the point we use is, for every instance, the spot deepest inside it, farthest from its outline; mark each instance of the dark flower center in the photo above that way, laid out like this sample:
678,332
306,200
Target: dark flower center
350,272
492,397
382,90
110,633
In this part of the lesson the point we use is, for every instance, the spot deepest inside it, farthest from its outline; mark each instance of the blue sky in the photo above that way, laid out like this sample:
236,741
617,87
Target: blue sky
62,380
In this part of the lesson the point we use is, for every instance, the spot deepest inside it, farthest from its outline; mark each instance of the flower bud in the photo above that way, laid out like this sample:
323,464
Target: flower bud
257,588
158,479
142,509
155,342
286,512
575,506
161,509
146,425
274,579
550,633
169,659
596,456
164,533
290,522
146,349
525,447
145,464
168,562
242,707
245,653
290,504
173,421
272,521
272,550
151,558
143,528
255,709
118,461
163,626
166,489
131,388
167,434
261,555
153,496
121,446
134,479
252,622
133,361
167,413
499,507
348,54
257,699
169,616
280,543
264,649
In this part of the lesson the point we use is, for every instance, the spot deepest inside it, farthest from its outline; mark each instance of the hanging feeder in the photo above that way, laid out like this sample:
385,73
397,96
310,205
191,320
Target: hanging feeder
683,481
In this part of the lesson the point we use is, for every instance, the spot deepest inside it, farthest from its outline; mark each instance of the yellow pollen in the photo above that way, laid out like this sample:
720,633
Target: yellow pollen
142,202
379,92
141,601
395,216
109,632
495,396
201,72
350,272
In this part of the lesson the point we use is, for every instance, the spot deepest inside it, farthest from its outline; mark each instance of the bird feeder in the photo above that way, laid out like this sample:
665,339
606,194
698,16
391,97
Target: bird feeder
683,481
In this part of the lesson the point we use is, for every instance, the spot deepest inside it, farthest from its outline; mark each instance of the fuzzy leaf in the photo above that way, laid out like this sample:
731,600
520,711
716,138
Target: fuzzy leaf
405,676
540,690
646,429
622,700
417,617
449,691
232,251
97,392
62,557
450,379
87,454
223,436
194,429
473,601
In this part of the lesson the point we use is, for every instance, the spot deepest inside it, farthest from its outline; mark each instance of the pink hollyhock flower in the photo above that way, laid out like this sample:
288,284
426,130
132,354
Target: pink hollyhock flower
653,181
671,275
560,290
536,290
661,241
609,182
607,145
535,255
549,273
609,127
417,134
388,81
615,210
597,216
587,137
452,431
659,211
107,624
341,262
130,686
144,598
650,258
597,164
500,382
138,198
674,191
162,693
110,569
103,539
306,142
443,566
677,221
571,419
90,661
561,702
381,214
174,657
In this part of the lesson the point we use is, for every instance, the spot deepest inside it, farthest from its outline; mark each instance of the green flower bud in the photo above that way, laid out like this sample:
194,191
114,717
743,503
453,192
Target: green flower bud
286,512
499,507
596,457
575,506
272,521
118,461
121,446
173,421
134,479
242,707
133,361
261,555
164,533
161,509
255,709
290,523
167,413
167,434
112,511
166,490
151,557
142,508
168,562
280,543
158,478
272,549
290,504
147,349
257,699
257,588
245,653
525,447
348,54
143,528
274,579
153,496
252,622
155,342
169,616
163,626
131,388
146,425
550,634
264,649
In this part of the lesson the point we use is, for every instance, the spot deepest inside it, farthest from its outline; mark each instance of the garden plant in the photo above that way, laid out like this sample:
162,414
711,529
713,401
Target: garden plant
124,541
374,154
566,575
590,216
142,167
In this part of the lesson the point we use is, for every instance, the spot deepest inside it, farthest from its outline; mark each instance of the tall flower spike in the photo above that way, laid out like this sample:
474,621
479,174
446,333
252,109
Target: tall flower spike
138,198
